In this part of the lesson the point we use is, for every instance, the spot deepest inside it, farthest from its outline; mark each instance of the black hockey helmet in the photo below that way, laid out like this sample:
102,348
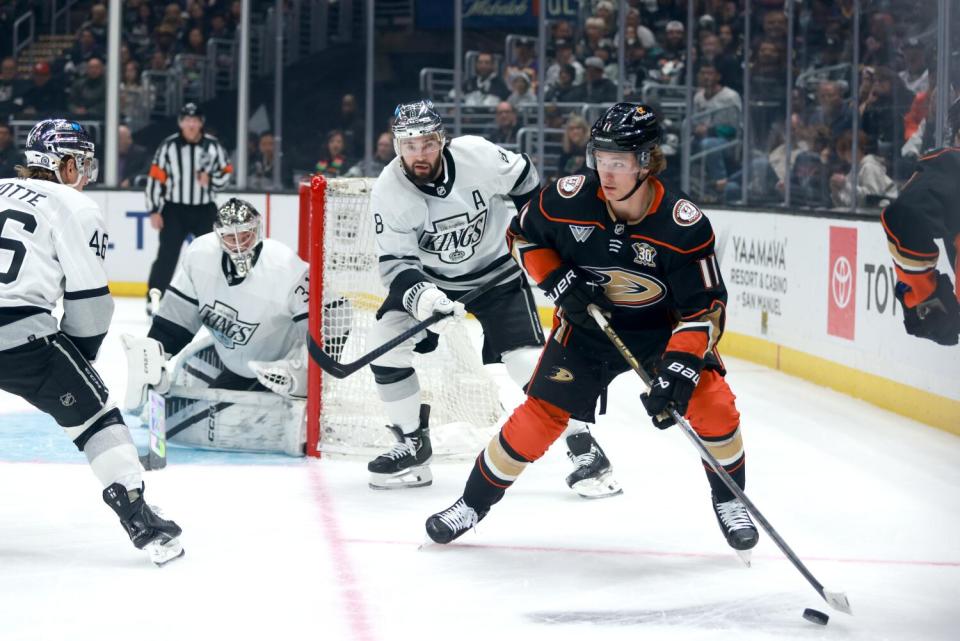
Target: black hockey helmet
191,109
626,127
51,141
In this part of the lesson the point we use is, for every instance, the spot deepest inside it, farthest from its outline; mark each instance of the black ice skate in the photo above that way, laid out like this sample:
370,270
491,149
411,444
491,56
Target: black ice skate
406,464
736,525
445,526
147,530
593,476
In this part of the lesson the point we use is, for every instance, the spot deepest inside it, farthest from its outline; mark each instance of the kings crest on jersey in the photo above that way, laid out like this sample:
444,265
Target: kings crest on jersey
451,230
660,272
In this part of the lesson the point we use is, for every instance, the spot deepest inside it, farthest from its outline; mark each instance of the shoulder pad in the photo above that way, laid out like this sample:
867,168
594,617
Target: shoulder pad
571,197
685,213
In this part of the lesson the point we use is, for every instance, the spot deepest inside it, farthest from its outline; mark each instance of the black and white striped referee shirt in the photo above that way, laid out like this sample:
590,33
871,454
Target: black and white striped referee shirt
173,174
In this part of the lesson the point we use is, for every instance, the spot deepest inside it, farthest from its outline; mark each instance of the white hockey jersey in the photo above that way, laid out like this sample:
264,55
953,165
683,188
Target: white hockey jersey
259,317
453,230
52,244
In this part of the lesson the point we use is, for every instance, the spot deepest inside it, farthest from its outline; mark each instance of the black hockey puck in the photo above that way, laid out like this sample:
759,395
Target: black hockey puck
815,616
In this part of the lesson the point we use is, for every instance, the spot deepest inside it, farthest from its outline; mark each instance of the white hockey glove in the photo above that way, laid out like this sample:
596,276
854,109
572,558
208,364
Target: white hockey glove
286,377
146,367
424,299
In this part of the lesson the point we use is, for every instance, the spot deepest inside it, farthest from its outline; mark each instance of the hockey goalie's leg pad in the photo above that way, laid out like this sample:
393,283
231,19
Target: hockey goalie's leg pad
417,476
145,367
533,427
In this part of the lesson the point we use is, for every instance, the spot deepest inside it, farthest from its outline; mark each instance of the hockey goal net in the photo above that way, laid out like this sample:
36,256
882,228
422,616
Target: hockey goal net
345,416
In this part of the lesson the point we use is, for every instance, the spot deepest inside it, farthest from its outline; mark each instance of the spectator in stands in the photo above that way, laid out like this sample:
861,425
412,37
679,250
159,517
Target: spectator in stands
261,163
133,95
874,187
382,156
573,160
165,43
133,160
334,161
522,93
83,49
173,17
603,9
350,124
220,28
11,88
485,87
593,31
10,156
196,18
563,90
636,32
768,90
717,111
730,68
158,62
505,126
775,25
563,55
524,60
885,103
638,62
832,111
553,117
88,95
597,88
561,30
729,41
809,174
46,96
97,24
140,31
196,43
879,45
915,75
674,41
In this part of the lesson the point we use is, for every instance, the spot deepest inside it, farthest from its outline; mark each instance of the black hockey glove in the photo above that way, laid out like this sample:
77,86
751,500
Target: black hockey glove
569,289
937,318
677,376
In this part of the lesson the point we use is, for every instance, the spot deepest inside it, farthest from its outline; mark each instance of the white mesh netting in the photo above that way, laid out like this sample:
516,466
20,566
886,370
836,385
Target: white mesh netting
463,397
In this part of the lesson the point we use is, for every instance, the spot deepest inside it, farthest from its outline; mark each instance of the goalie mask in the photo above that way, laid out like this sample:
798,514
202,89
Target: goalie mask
52,141
238,226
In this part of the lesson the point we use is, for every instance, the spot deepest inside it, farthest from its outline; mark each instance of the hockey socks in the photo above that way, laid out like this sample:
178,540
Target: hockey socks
728,450
495,470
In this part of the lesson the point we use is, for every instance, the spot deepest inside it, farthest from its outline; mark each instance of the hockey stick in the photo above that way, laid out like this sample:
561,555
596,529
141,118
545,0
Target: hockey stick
341,370
836,600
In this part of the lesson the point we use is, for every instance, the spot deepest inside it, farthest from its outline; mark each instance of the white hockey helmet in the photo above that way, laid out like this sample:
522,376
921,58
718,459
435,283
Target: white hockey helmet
416,119
239,227
52,140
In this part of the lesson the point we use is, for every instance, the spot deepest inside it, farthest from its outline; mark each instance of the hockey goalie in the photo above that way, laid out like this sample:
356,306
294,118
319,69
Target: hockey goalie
242,388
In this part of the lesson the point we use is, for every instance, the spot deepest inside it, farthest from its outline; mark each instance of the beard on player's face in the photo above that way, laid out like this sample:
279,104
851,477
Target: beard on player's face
422,170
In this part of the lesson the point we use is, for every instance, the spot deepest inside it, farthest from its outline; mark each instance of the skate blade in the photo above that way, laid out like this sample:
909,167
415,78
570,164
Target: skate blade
408,478
163,553
746,556
602,487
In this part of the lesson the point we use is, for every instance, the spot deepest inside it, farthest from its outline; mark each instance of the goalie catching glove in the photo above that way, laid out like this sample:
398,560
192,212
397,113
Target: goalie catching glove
424,299
677,376
287,376
146,368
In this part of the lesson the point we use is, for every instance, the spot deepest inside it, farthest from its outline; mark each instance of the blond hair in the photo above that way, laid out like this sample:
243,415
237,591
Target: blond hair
658,162
38,173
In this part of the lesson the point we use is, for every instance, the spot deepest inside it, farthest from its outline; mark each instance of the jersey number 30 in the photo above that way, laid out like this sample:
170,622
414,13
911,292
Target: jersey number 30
11,244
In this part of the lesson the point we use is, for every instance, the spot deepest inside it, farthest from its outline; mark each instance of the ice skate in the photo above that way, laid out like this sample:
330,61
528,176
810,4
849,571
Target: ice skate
147,530
446,526
737,526
407,463
593,476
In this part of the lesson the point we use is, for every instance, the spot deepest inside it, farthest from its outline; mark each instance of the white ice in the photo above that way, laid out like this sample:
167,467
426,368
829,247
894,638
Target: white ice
282,548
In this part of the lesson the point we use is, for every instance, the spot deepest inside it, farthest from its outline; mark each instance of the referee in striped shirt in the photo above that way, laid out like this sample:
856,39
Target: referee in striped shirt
188,168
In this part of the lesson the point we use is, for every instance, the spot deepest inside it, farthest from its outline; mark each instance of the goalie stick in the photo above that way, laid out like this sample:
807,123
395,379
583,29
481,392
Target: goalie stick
341,370
836,600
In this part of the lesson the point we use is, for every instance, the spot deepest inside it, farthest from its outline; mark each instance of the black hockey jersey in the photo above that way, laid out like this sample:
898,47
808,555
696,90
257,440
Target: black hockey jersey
928,208
660,272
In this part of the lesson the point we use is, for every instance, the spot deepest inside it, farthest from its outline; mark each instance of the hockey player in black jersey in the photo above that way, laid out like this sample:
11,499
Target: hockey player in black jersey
619,239
929,209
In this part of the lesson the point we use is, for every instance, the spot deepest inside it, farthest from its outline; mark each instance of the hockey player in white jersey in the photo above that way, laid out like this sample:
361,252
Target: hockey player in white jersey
251,293
441,218
56,240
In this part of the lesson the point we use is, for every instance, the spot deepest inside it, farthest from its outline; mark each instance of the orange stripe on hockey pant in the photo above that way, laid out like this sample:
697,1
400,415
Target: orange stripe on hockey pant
712,411
690,341
533,427
921,285
540,263
158,174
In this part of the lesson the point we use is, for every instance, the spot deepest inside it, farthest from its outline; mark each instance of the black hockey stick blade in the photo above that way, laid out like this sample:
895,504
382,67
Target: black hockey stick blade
836,600
341,370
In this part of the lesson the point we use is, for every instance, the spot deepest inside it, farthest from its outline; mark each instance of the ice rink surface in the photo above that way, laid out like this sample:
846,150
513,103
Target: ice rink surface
280,548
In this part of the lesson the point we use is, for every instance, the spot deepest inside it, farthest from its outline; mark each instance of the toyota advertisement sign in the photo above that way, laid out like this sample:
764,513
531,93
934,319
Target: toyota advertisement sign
842,283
